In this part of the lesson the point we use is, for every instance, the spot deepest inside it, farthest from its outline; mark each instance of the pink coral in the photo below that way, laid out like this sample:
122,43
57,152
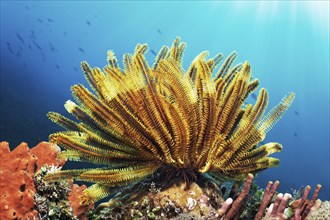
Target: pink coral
16,172
304,205
231,209
268,195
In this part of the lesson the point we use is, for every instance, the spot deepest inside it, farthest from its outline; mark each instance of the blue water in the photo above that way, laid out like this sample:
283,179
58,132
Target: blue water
287,44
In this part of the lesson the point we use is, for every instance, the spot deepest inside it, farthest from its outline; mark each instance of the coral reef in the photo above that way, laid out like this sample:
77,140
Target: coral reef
58,200
268,195
304,206
16,177
144,119
24,194
239,201
206,202
171,203
75,197
322,212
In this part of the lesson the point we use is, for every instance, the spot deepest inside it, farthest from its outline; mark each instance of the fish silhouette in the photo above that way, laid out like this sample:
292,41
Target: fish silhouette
32,35
37,45
9,48
159,31
89,24
296,112
81,49
52,48
20,37
153,52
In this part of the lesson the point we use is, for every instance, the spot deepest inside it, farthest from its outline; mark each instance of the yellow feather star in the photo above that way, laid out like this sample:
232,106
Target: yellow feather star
143,119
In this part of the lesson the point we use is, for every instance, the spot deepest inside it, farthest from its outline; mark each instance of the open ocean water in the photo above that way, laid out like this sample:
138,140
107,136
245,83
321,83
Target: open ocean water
286,42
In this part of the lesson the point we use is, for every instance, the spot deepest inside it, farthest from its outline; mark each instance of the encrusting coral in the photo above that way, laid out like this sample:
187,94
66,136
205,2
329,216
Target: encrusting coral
17,168
24,194
184,125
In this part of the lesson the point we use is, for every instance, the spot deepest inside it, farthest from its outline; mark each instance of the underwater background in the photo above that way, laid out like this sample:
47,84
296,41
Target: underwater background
286,42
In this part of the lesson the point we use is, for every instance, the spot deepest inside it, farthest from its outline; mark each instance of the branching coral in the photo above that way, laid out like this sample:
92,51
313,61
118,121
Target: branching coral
144,118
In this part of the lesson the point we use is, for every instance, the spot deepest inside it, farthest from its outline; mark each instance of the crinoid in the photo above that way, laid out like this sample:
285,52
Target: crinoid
140,119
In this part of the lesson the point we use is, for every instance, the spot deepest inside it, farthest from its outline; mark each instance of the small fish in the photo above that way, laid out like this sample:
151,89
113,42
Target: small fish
20,37
75,69
254,96
64,33
57,66
27,7
39,20
37,45
159,31
89,24
296,112
81,49
153,52
9,48
32,35
52,48
50,20
295,134
30,47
